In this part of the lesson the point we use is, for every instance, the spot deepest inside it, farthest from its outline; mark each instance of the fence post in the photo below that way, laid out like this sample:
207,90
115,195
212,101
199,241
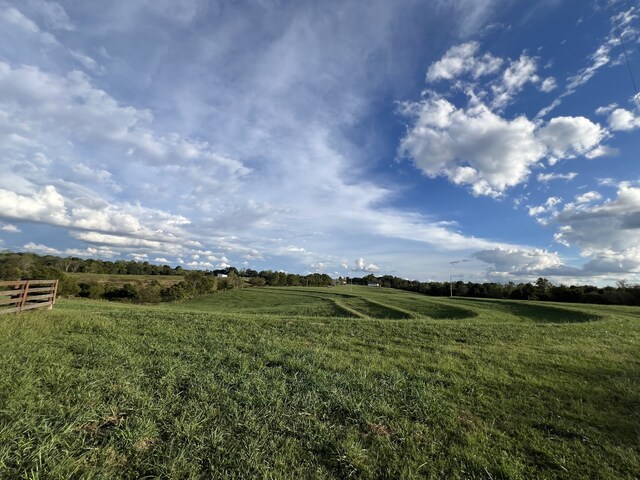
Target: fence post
55,292
25,291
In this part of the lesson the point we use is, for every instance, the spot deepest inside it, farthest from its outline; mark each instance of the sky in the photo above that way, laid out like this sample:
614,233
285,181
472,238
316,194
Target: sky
494,140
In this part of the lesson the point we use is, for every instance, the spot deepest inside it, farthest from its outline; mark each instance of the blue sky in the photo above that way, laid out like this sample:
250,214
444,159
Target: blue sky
495,139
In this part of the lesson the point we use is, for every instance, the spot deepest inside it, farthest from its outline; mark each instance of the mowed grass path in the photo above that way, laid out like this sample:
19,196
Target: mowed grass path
321,383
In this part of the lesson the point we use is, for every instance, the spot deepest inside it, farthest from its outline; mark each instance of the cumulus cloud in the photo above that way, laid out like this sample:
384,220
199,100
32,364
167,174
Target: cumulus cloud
473,147
623,120
201,264
46,205
362,266
612,226
567,137
462,60
527,264
519,261
479,148
588,197
465,60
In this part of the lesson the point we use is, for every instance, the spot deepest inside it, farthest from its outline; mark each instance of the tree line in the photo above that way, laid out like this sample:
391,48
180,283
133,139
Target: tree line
542,289
29,265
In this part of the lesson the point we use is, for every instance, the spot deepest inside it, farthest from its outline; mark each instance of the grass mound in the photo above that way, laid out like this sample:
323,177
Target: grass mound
538,312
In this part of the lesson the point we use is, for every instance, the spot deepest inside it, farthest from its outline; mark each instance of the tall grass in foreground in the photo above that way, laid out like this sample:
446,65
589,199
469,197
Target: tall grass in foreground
195,390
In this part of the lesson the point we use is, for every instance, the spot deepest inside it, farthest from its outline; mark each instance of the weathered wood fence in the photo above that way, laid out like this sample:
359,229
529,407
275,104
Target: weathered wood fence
16,296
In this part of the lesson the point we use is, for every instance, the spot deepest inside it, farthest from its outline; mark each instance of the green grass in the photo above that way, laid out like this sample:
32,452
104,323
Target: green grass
119,280
369,383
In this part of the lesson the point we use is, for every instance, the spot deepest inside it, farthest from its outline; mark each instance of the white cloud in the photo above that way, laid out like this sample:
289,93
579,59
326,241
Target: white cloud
547,177
362,266
547,207
548,84
116,240
97,251
462,60
588,197
567,137
37,247
8,227
529,263
46,205
71,106
161,260
477,147
599,59
196,264
519,261
514,78
49,206
472,147
607,234
606,109
622,119
601,151
611,226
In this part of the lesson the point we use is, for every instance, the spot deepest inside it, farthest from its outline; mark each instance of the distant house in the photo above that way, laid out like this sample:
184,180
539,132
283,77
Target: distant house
373,284
221,275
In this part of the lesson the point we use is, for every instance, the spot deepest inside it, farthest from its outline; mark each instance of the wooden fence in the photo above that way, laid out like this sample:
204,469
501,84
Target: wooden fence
22,295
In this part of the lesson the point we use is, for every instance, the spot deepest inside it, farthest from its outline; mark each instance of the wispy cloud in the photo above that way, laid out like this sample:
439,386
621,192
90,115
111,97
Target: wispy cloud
621,28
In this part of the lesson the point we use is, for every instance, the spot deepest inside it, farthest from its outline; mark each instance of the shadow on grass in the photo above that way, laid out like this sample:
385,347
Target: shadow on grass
448,312
538,313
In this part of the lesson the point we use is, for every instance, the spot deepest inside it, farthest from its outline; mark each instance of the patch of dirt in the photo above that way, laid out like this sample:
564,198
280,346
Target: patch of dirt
144,444
379,429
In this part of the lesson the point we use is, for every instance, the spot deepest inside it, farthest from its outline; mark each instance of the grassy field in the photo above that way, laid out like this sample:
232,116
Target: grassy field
119,280
344,382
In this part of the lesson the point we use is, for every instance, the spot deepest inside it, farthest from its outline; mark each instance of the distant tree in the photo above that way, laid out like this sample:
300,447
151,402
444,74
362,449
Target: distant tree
257,282
93,290
68,287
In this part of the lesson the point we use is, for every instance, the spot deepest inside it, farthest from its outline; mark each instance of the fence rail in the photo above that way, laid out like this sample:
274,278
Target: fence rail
20,295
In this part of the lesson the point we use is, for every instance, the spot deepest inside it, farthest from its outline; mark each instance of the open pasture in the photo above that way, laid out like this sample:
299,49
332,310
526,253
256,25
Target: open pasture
345,382
119,280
